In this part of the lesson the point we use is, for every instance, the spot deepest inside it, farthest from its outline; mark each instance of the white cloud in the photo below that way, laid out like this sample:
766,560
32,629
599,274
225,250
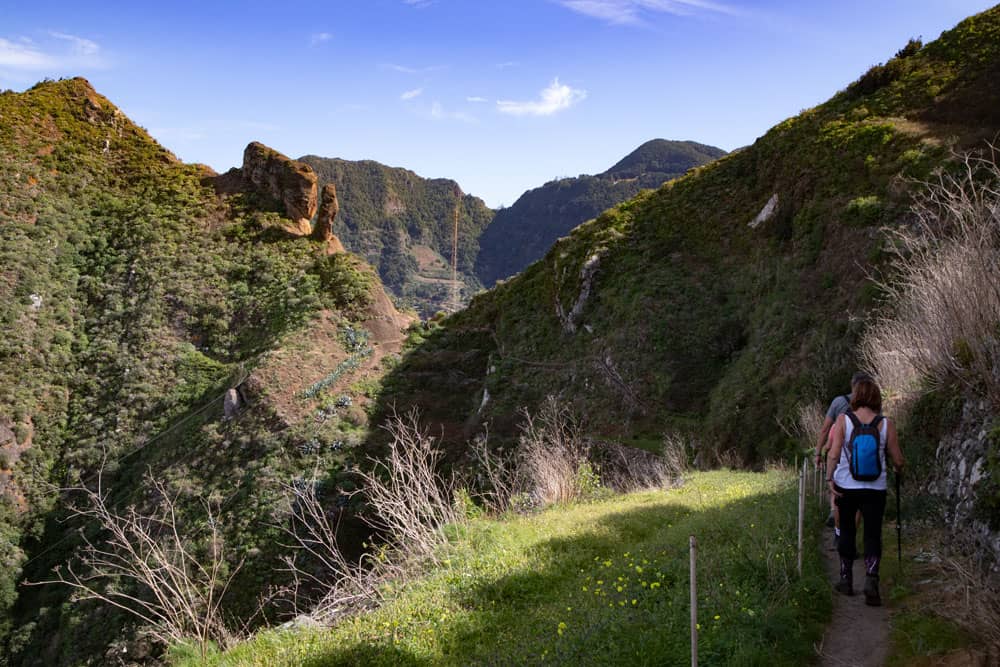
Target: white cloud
557,97
319,37
405,69
632,12
80,46
439,113
509,63
411,94
23,56
419,4
475,99
61,52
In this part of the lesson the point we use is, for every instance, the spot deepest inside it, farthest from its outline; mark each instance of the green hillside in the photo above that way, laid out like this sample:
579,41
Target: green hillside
717,303
402,225
523,232
132,297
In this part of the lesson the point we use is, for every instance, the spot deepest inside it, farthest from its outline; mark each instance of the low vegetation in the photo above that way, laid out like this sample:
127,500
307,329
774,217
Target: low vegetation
601,582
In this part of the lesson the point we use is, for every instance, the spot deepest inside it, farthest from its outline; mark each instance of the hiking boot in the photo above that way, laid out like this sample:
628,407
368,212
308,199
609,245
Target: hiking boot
872,598
846,583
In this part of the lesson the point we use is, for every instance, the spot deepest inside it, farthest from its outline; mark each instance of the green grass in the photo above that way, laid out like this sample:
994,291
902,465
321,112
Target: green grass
597,583
922,635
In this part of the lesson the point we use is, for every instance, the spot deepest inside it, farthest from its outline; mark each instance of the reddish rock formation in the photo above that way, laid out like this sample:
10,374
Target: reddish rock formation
323,231
328,208
290,182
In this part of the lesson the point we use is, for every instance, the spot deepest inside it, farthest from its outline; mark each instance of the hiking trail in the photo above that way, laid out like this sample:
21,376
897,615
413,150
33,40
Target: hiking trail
858,635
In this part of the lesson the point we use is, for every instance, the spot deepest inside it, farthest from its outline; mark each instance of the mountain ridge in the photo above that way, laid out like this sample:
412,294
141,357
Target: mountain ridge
521,233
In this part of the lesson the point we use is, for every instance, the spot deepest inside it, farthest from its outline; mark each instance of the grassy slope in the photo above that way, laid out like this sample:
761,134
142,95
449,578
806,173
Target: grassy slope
155,297
598,583
696,320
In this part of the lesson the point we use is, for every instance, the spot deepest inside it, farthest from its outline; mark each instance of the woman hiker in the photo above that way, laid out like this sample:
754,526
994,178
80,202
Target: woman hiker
838,406
859,441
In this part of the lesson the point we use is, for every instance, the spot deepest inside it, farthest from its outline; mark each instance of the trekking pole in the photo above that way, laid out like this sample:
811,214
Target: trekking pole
899,523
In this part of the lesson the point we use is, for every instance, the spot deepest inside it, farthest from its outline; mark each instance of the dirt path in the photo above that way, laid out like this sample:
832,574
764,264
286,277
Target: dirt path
858,635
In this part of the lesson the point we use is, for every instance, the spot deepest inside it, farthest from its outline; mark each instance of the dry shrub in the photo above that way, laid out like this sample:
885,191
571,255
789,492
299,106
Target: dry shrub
942,318
499,479
325,583
149,566
971,599
957,582
809,420
411,499
675,455
626,469
552,454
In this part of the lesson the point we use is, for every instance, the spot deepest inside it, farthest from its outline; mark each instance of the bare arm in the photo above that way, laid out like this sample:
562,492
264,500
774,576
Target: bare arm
892,446
833,456
823,435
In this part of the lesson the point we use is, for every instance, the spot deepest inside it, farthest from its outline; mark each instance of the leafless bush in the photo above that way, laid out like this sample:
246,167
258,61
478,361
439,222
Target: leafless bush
148,567
553,454
500,478
411,499
675,455
729,459
626,469
943,312
972,601
325,583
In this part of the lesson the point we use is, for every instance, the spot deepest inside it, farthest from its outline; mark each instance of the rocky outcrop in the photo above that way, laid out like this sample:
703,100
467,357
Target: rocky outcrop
961,467
323,230
292,183
570,322
766,213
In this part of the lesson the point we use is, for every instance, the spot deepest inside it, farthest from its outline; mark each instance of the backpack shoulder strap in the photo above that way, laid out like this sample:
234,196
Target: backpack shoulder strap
855,422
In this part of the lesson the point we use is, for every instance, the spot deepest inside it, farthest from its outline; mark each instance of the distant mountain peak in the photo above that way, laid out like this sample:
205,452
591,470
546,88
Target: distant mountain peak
662,156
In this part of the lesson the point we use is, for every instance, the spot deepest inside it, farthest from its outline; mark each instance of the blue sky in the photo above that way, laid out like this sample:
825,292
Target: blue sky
501,96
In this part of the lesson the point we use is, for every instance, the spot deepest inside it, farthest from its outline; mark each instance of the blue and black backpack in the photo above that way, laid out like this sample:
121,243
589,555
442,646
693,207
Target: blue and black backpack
864,454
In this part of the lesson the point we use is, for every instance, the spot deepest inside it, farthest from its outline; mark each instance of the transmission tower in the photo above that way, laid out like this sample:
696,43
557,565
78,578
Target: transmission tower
455,288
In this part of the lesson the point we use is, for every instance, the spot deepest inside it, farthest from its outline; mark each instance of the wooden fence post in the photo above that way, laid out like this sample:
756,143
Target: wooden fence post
694,605
802,509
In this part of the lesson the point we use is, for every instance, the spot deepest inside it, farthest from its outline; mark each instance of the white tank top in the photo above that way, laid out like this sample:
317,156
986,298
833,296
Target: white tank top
842,475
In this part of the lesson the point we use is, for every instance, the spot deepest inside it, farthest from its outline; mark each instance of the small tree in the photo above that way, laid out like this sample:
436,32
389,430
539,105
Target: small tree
147,566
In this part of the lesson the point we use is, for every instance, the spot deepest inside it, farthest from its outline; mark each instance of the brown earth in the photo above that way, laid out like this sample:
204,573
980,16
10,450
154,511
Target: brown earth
285,374
858,635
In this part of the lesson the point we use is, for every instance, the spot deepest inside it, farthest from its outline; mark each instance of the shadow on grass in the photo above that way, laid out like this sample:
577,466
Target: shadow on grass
617,593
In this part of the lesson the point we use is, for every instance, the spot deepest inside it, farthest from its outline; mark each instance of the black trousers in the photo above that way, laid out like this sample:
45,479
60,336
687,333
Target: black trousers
872,506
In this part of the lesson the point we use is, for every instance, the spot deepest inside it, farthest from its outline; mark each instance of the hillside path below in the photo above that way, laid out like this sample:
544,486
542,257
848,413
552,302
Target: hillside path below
858,635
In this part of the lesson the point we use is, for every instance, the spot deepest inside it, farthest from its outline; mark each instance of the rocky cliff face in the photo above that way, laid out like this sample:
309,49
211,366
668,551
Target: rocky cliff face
328,208
292,183
961,462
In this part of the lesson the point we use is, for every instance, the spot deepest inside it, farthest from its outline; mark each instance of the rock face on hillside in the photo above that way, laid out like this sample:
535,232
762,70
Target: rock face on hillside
323,230
961,464
290,182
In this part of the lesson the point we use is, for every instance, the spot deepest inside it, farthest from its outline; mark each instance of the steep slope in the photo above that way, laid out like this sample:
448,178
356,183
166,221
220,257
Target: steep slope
402,224
524,232
719,302
153,326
